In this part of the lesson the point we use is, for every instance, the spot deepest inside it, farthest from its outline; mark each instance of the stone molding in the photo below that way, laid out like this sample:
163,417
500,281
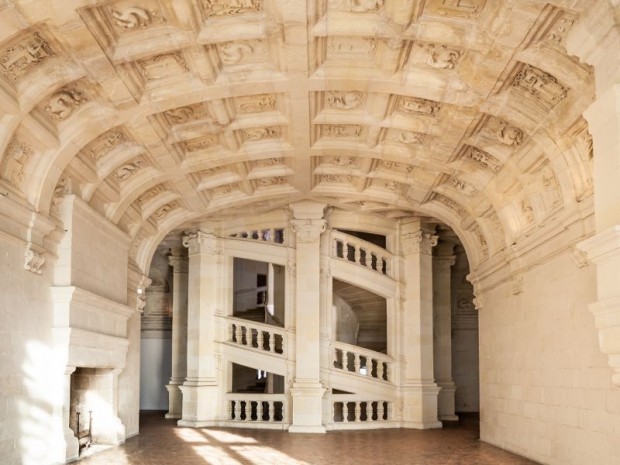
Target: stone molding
308,231
34,260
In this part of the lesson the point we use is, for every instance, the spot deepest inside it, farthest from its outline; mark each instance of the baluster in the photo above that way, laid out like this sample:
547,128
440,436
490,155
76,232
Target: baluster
259,411
356,363
282,345
270,410
357,254
333,412
358,412
259,337
272,235
345,412
335,248
388,372
237,410
379,369
387,408
238,334
335,357
386,266
272,343
231,409
371,408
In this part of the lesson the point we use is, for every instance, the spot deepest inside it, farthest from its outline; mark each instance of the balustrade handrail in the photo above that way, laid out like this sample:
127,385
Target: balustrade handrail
383,257
361,351
254,396
256,336
256,325
255,407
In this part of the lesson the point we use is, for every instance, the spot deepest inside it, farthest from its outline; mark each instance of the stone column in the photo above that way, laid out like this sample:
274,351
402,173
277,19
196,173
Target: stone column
200,389
307,391
442,330
418,389
179,262
596,41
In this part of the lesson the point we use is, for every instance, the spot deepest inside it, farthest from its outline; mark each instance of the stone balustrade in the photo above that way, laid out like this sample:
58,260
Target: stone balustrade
256,408
361,252
354,409
271,235
257,336
360,361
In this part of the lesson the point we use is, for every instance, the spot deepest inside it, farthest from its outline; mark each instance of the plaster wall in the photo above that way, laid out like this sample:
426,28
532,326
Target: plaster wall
155,372
31,379
546,390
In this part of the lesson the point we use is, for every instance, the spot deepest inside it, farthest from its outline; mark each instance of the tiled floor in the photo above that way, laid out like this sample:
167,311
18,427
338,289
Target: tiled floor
161,442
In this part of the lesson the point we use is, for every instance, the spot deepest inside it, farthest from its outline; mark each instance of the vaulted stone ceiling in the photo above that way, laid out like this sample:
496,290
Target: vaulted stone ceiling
159,113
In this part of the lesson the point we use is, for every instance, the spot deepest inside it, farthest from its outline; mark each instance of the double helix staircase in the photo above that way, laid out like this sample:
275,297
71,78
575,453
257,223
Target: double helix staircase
361,384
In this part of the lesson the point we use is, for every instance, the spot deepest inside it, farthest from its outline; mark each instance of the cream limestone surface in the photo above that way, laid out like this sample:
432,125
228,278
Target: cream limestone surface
279,131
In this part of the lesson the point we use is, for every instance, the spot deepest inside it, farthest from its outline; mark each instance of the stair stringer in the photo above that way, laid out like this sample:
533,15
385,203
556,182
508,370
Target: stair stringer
363,277
360,385
254,358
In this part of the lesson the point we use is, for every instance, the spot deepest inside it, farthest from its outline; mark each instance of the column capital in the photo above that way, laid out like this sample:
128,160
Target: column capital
418,242
443,263
178,260
201,242
308,230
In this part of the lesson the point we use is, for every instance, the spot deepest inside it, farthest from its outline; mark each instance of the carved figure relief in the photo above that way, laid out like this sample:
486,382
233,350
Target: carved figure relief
458,8
105,142
435,55
163,211
335,179
344,100
342,161
27,53
162,66
550,184
16,158
528,212
559,30
63,103
462,186
269,182
342,130
254,134
541,85
188,113
418,105
256,103
508,134
231,7
128,169
267,162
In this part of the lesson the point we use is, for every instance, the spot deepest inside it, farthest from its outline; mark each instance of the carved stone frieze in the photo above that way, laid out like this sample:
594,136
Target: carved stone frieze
448,202
341,130
150,194
202,242
559,30
163,66
15,160
255,134
541,85
34,260
163,211
255,103
308,231
434,55
482,242
127,170
188,113
357,6
231,7
462,186
62,103
101,145
335,179
550,184
127,17
420,106
410,137
528,212
344,100
388,165
341,161
270,182
24,54
225,189
418,242
267,162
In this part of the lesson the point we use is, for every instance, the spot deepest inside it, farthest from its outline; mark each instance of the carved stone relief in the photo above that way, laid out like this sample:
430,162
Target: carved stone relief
434,55
357,6
270,182
415,105
418,243
255,103
243,51
335,179
188,113
410,137
231,7
105,142
462,186
541,85
528,212
63,187
128,169
341,161
558,32
200,143
448,202
150,194
128,17
255,134
267,162
508,134
29,51
343,100
550,184
482,158
61,104
351,47
34,260
163,211
163,66
394,166
458,8
342,130
16,158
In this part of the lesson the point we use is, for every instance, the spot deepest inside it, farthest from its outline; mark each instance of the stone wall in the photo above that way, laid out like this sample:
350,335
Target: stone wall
546,390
